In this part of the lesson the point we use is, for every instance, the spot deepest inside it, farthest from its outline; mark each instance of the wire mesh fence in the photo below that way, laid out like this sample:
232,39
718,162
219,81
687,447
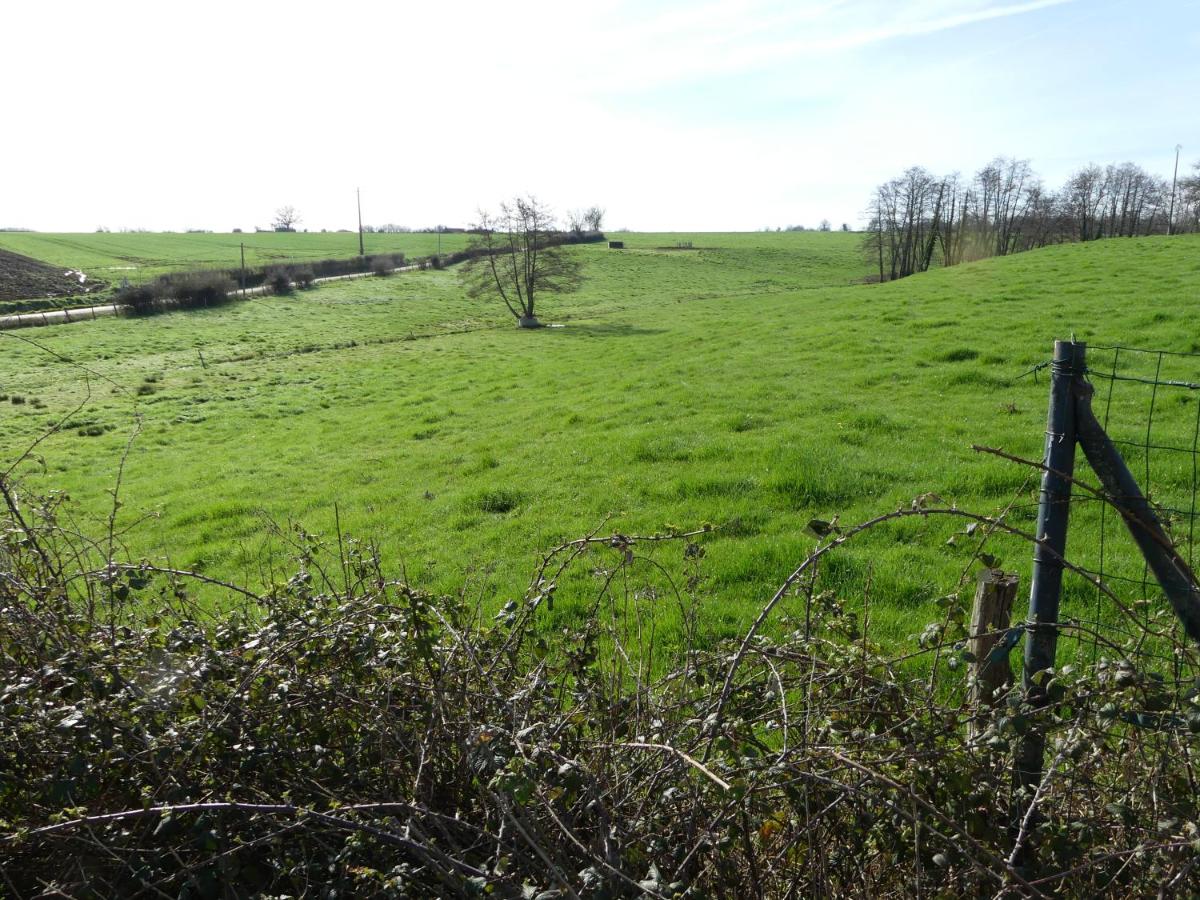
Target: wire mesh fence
1151,409
1148,402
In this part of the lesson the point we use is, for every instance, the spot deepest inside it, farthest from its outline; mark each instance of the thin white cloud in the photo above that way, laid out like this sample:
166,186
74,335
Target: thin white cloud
719,39
944,21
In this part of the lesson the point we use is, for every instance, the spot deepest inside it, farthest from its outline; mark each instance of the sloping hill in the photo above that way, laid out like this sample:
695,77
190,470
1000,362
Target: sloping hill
737,384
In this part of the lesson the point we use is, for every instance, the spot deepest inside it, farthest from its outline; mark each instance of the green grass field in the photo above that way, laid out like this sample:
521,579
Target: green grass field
141,256
750,382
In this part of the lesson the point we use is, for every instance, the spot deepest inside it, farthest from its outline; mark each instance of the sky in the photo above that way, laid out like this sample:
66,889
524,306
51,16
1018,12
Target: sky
676,115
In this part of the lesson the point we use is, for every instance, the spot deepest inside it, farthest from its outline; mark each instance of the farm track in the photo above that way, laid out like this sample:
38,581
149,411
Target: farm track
90,313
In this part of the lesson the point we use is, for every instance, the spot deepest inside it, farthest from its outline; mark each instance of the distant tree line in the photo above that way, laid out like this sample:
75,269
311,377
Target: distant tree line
579,222
920,220
825,225
392,228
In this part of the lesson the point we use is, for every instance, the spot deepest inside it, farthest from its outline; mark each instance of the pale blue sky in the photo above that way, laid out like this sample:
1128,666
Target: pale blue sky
673,115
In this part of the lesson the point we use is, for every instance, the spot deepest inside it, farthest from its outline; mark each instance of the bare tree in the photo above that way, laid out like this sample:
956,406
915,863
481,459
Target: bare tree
1189,196
593,218
1083,198
577,221
1003,186
286,219
825,225
517,256
906,223
1004,209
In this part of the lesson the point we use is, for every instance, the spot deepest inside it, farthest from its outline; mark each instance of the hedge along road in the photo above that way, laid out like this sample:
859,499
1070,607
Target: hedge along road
87,313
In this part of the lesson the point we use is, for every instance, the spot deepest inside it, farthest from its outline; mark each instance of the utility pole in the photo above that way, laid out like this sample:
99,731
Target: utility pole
358,195
1174,180
439,229
243,270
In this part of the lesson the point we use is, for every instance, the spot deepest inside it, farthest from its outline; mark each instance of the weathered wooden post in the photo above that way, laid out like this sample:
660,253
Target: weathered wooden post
1045,589
990,617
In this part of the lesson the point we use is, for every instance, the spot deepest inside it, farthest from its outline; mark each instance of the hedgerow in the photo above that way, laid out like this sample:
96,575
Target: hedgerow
190,290
187,290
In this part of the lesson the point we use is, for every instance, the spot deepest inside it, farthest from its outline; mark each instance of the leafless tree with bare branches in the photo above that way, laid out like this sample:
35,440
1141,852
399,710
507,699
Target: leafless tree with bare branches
286,219
518,256
1189,187
593,218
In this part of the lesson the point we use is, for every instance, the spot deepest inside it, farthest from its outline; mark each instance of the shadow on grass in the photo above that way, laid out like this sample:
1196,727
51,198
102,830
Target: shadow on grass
581,329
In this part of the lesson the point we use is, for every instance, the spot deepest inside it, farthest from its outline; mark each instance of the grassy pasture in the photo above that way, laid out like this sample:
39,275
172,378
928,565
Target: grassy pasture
748,382
142,256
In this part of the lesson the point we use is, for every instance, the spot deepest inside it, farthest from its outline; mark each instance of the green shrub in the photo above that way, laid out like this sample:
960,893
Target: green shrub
278,281
141,299
185,290
198,290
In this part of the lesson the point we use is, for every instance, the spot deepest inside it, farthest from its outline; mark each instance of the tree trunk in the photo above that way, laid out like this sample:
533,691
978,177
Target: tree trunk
528,322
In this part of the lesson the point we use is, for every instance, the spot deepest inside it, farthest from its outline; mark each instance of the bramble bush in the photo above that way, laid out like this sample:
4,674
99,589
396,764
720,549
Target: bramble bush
346,733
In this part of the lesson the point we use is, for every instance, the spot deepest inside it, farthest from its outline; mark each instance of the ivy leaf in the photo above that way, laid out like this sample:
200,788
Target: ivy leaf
821,528
71,720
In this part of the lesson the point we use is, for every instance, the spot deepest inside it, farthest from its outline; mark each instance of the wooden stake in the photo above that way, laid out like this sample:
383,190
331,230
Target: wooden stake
990,618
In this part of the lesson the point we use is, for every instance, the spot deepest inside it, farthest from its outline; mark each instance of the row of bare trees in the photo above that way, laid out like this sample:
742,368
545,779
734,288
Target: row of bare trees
581,221
920,219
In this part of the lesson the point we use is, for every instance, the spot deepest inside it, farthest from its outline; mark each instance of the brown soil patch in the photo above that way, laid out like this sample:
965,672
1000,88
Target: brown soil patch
22,278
